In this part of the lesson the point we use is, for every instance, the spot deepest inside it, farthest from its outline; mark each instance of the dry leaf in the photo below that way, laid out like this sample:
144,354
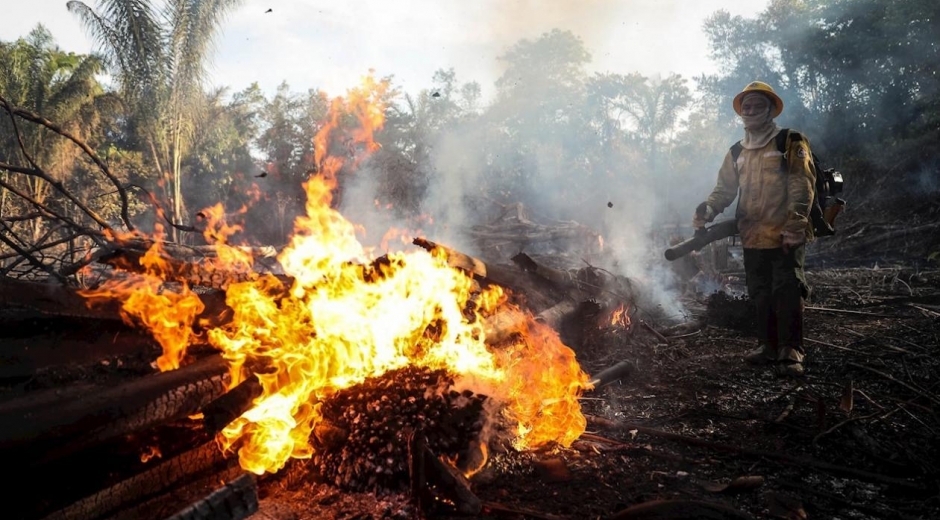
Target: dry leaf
848,397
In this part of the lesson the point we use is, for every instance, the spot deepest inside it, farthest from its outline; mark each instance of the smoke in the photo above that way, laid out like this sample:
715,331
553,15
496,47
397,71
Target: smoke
616,196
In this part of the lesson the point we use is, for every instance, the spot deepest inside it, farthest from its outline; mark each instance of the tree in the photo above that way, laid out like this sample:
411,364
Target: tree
221,160
38,76
538,127
158,54
852,73
649,108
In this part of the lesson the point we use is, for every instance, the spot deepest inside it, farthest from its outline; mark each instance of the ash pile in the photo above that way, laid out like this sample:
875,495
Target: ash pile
362,443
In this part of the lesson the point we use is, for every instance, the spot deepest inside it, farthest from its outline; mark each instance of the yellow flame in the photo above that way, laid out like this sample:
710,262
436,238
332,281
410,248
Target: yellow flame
340,316
167,312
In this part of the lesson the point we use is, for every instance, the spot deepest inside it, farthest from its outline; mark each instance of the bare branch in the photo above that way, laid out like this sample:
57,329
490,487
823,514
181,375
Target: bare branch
48,211
29,116
28,257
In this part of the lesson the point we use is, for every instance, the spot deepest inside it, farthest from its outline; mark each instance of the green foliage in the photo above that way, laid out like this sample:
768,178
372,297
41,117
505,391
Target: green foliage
38,76
859,76
158,53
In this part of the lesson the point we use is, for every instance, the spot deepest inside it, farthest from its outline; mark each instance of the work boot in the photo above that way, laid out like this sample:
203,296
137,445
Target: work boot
764,354
789,369
789,363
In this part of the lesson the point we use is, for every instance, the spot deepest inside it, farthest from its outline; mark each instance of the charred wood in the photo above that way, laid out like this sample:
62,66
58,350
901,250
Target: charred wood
434,483
204,461
612,374
74,424
235,500
555,315
377,415
230,406
22,299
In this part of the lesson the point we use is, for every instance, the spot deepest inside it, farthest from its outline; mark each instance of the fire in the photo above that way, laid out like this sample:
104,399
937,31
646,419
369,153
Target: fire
339,316
620,317
167,312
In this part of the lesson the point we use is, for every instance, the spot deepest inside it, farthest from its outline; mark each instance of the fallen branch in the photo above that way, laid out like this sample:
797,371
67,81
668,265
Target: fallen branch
679,509
924,310
856,313
654,332
497,509
817,342
779,457
889,377
230,406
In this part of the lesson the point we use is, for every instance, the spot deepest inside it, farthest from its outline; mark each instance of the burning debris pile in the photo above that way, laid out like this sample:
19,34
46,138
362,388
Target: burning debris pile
334,324
362,443
353,362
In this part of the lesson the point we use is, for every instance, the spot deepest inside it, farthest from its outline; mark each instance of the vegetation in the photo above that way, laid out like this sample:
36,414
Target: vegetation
858,76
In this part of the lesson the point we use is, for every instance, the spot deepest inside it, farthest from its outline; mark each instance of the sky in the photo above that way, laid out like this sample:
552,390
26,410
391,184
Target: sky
332,44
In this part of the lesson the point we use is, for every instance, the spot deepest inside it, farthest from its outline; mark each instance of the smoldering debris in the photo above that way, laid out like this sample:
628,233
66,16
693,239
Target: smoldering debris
362,442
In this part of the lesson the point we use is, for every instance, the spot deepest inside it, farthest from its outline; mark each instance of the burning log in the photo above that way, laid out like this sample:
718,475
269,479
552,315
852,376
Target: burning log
230,406
375,416
434,483
474,266
31,427
603,290
191,267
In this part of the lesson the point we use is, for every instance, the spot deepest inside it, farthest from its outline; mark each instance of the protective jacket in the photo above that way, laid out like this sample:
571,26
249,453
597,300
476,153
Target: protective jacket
775,194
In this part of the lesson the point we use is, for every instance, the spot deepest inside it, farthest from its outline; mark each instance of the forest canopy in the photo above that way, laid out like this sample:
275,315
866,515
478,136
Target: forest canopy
858,77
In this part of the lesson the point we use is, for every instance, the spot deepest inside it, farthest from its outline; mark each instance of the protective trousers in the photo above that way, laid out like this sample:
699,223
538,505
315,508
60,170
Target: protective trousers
777,286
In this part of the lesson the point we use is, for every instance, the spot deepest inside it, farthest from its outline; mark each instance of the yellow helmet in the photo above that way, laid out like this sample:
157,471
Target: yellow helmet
763,88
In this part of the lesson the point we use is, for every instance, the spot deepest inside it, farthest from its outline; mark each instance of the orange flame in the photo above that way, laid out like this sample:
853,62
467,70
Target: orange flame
342,316
620,317
167,313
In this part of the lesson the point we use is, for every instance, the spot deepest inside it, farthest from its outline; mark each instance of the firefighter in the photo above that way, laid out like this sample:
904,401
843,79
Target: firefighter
774,190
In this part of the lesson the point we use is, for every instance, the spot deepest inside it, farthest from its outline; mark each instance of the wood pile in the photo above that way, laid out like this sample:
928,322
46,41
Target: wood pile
363,445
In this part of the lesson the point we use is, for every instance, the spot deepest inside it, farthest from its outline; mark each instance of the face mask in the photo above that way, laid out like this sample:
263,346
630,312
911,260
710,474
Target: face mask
757,119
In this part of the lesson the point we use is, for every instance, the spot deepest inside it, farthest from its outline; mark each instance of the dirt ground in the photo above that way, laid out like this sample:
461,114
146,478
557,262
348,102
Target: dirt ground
856,438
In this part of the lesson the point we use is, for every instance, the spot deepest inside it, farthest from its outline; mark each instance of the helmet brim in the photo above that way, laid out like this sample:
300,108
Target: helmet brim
778,103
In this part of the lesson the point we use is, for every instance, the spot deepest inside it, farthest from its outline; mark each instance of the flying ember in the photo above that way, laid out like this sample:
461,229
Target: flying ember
339,315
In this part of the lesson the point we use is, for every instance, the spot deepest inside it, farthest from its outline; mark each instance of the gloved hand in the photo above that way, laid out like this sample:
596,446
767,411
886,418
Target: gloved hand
793,239
703,214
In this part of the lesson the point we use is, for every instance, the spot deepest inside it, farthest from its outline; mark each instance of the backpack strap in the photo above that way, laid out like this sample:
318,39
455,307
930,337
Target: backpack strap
781,141
736,152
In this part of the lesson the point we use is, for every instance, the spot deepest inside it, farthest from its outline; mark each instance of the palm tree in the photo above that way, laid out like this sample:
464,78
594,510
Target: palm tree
158,52
38,76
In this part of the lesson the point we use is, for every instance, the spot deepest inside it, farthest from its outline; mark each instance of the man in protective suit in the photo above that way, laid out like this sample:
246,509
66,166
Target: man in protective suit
775,191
